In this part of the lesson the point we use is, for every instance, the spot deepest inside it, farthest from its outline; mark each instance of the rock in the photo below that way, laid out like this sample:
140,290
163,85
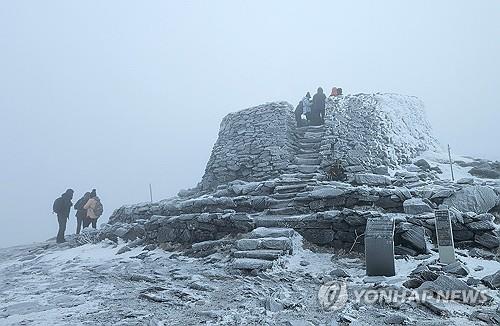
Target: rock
466,181
413,283
477,199
123,249
481,253
436,307
247,244
263,232
338,272
264,254
487,240
490,317
492,281
396,319
481,226
485,173
251,264
299,322
272,305
372,179
456,268
423,164
382,170
282,243
447,287
416,206
414,237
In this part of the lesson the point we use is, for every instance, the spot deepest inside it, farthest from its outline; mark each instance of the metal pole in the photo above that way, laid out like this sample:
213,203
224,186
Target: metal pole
151,192
451,163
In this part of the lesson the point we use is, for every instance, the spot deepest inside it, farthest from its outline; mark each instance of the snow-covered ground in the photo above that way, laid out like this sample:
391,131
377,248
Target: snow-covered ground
48,284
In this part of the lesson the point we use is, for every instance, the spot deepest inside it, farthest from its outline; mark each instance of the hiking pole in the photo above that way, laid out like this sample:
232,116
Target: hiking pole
451,163
151,192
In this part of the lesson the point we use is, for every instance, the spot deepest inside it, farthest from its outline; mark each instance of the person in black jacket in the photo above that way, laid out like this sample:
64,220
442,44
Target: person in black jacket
318,108
81,213
62,207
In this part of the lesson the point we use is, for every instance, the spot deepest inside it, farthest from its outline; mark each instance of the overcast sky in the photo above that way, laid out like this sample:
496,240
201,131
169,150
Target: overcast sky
115,95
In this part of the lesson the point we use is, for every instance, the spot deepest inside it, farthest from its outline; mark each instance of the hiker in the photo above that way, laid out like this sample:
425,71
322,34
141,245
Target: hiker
298,114
335,92
306,104
318,108
81,213
62,207
94,210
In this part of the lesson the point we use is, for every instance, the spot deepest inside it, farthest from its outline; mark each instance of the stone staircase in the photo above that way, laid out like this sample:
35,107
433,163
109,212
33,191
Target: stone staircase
261,247
303,174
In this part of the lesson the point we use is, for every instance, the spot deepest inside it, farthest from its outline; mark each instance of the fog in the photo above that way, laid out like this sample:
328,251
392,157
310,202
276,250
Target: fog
115,95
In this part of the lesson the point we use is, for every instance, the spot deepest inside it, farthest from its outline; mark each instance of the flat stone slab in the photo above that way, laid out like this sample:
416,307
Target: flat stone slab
263,254
262,232
416,206
250,264
280,243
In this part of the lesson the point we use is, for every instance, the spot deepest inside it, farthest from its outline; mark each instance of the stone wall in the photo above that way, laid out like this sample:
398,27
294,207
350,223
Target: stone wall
371,130
253,144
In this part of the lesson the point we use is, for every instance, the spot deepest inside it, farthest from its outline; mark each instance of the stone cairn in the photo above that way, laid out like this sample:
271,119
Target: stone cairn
266,180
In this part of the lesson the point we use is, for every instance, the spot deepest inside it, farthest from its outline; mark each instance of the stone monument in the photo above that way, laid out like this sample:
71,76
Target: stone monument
379,247
444,236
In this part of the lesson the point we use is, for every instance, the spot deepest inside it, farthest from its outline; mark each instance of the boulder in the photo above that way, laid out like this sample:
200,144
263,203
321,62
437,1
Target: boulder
456,268
481,226
477,199
414,238
372,179
492,281
449,287
423,164
487,240
416,206
484,173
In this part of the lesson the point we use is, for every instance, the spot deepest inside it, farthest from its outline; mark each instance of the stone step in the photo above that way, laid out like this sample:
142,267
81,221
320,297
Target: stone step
315,146
304,176
279,243
282,211
276,221
308,151
280,203
308,156
307,168
290,195
264,254
296,187
312,140
262,232
308,161
251,264
310,128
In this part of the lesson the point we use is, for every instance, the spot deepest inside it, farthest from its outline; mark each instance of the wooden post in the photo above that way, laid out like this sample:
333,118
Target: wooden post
151,192
451,163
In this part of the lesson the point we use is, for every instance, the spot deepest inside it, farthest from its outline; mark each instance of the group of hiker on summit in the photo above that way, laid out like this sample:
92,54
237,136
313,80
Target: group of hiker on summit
88,209
313,109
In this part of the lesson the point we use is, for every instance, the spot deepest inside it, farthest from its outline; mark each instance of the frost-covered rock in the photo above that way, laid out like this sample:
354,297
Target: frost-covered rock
372,179
416,206
477,199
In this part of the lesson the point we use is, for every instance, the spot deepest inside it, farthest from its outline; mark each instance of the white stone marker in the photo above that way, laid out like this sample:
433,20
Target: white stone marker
444,236
379,247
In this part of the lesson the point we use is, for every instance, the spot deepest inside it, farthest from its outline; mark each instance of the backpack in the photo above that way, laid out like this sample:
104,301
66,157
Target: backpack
98,209
56,207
